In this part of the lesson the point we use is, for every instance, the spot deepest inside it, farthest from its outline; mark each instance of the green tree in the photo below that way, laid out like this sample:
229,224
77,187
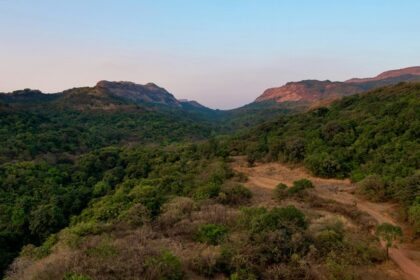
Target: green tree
389,234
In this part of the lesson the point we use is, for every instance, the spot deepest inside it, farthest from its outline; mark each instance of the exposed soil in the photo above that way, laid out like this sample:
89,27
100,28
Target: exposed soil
266,176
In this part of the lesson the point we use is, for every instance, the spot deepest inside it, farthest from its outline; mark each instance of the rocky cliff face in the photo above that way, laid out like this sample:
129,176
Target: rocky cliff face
389,74
308,90
149,93
311,91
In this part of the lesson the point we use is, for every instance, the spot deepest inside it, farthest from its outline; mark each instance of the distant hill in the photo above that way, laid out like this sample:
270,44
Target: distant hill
104,95
149,93
375,132
314,91
389,74
37,125
117,97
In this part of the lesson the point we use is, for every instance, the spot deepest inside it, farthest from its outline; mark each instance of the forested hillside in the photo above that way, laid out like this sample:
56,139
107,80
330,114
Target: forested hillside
57,134
373,138
122,192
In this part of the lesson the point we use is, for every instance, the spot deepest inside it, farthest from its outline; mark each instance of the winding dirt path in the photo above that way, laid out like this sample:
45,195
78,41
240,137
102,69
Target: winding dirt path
268,175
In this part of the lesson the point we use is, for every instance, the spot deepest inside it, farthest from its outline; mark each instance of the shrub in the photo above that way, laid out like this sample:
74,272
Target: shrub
102,250
86,228
373,188
294,149
414,216
280,192
211,234
175,210
75,276
101,188
303,183
165,266
407,189
234,194
324,165
148,196
328,240
258,220
295,269
210,190
299,187
207,262
137,215
389,233
41,251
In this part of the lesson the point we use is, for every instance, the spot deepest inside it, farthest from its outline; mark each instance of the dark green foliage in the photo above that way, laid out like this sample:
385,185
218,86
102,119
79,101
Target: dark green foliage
389,233
234,194
359,135
407,190
211,234
298,189
53,134
373,187
166,266
414,216
71,180
259,220
299,186
280,192
38,199
210,190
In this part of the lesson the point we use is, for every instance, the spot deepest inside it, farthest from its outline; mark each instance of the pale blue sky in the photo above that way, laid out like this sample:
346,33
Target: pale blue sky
222,53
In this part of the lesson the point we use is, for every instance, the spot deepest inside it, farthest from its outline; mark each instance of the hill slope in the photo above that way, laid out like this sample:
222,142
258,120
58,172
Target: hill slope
311,91
58,126
371,137
124,196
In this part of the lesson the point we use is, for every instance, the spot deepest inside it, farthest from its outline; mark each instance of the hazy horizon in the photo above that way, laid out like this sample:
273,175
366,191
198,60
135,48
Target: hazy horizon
222,56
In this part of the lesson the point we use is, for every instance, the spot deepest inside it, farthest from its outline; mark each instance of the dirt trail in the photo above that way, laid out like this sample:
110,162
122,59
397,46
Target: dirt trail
268,175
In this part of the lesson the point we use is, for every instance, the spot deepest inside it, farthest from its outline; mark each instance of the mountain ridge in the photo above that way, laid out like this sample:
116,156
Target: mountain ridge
315,91
125,95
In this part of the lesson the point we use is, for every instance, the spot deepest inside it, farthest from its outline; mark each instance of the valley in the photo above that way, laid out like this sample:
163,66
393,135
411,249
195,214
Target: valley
120,180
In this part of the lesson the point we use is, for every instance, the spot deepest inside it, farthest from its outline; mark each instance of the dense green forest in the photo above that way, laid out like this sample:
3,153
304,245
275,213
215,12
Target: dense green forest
120,193
55,134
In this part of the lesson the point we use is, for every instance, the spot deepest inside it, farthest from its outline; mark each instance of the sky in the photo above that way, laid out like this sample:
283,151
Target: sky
222,53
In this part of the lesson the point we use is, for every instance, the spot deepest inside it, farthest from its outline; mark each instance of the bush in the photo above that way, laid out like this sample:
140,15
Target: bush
414,216
258,220
165,266
303,183
41,251
373,188
207,262
75,276
175,210
101,188
299,187
137,215
234,194
148,196
280,192
407,189
210,190
328,240
324,165
295,269
211,234
294,149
